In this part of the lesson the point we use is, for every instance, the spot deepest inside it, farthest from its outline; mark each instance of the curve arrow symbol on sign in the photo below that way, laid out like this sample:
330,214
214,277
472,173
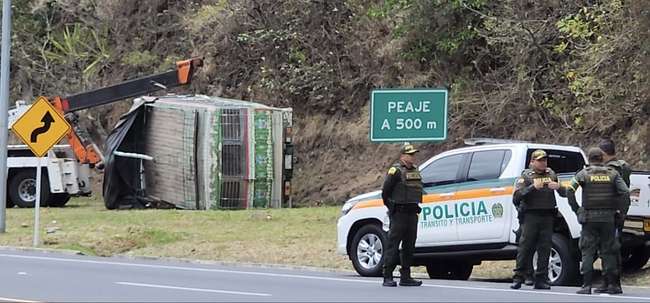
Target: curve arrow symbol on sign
47,122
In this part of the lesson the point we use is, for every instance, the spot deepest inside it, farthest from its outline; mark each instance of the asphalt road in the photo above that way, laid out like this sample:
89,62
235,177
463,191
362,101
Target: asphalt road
28,276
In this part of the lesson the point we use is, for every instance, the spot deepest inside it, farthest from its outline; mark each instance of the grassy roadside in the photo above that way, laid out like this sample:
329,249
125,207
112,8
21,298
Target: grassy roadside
303,236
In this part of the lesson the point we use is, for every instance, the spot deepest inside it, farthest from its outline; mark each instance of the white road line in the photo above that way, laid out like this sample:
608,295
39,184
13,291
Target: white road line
253,273
3,299
243,293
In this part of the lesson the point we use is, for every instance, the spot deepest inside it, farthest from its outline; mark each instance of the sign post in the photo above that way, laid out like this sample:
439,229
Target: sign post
398,115
37,204
40,128
5,53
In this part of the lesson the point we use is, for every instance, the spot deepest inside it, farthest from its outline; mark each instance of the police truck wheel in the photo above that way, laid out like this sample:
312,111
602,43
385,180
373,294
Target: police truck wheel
367,250
449,270
58,199
636,259
438,270
563,266
22,188
461,271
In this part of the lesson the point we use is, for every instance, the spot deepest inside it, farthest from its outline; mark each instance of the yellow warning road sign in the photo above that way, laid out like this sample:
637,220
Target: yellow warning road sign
41,127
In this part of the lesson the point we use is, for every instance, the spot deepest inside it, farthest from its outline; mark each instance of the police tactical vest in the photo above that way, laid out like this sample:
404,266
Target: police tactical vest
543,198
599,190
410,188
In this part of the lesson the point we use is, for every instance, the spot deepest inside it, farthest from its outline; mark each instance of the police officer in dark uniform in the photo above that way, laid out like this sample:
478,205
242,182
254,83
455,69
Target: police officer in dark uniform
402,194
625,170
603,192
530,281
534,193
609,158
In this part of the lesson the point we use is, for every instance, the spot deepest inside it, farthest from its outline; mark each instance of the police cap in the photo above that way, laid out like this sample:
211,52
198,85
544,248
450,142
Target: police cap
408,149
539,154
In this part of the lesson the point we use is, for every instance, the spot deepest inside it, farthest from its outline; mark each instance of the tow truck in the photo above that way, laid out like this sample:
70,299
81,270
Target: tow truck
66,169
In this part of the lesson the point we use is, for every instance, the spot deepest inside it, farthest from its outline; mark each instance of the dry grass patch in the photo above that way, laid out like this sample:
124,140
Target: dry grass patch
494,270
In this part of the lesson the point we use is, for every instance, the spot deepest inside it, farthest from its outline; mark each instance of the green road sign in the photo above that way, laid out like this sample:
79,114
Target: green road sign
408,115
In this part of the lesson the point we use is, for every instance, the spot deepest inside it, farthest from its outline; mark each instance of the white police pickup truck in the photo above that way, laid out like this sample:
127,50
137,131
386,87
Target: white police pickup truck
468,216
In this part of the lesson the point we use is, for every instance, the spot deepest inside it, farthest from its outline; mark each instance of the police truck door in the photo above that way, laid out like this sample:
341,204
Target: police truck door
484,202
439,177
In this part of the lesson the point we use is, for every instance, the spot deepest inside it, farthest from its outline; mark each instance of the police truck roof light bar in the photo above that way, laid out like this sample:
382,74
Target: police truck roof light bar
483,141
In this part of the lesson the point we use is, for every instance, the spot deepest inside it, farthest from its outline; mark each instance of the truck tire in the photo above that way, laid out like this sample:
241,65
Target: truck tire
367,250
438,270
636,259
462,271
563,267
449,270
8,203
58,199
22,188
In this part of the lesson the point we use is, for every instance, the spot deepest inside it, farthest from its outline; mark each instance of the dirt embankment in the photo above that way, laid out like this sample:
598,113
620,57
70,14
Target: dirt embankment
566,73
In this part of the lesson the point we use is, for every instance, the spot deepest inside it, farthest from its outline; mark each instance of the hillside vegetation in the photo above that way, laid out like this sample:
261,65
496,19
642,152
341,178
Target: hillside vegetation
566,72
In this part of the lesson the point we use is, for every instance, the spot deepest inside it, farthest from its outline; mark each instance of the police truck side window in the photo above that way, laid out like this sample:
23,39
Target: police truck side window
442,171
487,165
563,162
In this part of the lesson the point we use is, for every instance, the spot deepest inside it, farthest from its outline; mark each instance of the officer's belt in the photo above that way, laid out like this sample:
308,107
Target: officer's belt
406,207
542,211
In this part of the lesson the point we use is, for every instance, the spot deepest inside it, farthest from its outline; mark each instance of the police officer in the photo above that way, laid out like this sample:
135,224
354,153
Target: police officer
603,191
520,217
625,170
609,158
401,193
534,193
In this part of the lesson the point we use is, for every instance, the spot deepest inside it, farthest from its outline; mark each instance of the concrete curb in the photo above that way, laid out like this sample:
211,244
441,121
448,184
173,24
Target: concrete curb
43,250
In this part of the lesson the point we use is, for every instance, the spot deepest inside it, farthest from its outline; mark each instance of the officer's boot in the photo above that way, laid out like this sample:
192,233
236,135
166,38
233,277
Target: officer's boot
604,287
529,281
586,285
388,279
516,284
585,290
389,282
614,285
406,280
541,283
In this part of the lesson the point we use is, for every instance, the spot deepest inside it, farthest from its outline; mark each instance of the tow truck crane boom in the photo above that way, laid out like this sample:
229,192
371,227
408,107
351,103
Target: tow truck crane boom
84,149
